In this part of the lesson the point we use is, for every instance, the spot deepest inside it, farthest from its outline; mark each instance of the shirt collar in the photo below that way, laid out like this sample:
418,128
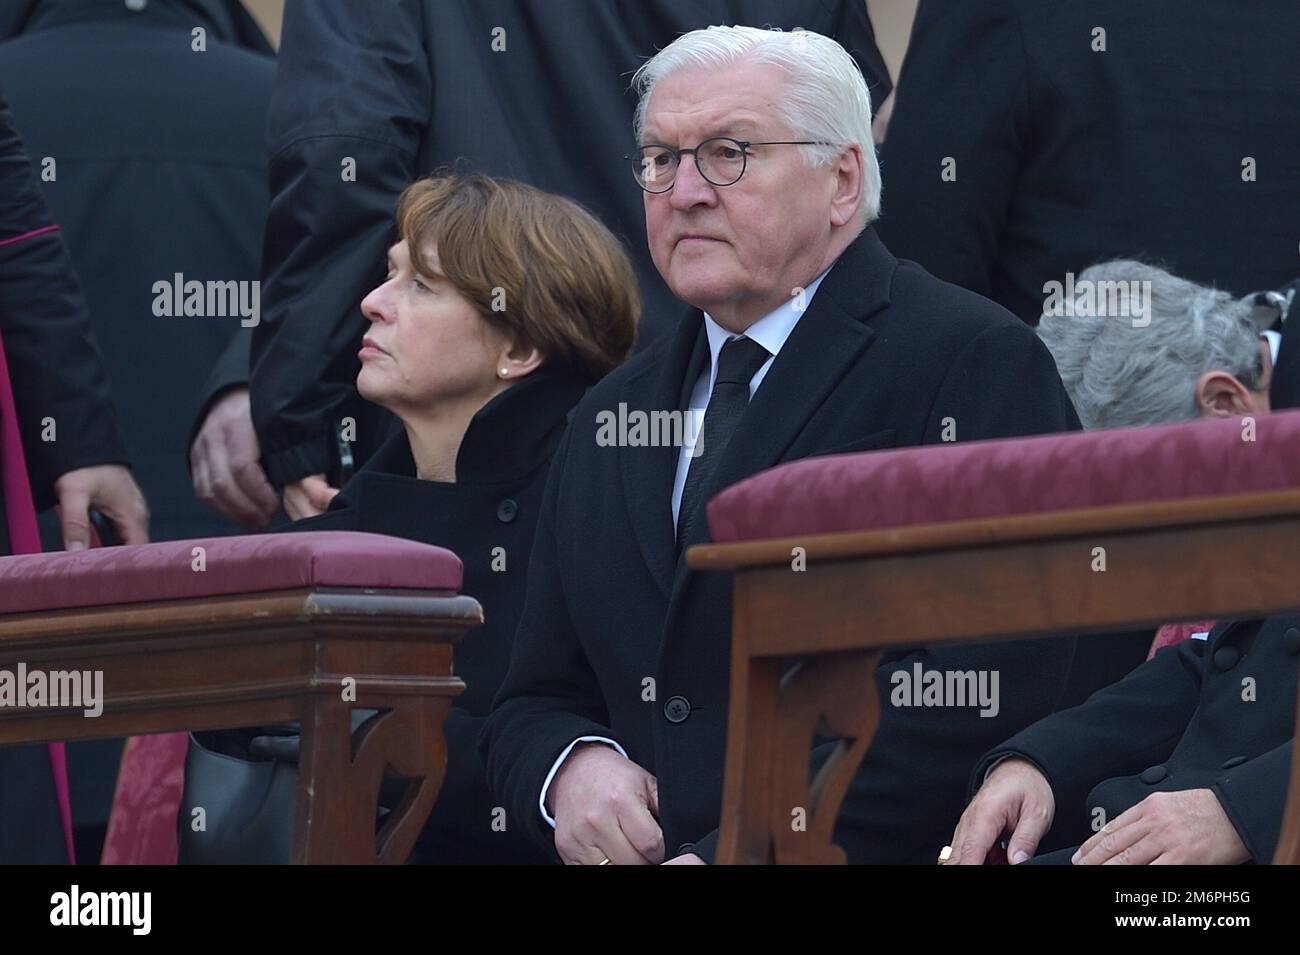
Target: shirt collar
770,331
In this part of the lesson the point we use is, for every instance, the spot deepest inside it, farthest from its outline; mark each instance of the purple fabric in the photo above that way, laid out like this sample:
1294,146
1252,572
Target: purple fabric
25,538
20,511
233,565
978,479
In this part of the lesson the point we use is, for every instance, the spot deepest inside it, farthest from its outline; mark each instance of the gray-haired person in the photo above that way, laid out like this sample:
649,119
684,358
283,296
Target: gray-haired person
1136,345
760,187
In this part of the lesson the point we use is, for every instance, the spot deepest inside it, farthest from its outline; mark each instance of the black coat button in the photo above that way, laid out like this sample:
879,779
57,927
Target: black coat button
677,709
1153,775
685,847
1225,658
1291,641
507,510
1234,762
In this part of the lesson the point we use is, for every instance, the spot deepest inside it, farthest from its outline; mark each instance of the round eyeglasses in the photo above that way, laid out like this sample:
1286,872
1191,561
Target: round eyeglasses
721,161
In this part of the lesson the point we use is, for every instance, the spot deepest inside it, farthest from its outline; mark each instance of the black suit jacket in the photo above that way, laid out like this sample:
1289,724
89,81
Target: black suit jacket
488,518
536,90
1214,714
883,356
1066,156
55,365
57,375
161,168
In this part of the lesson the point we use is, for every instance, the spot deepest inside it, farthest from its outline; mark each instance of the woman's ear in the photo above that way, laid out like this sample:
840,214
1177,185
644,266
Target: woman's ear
1220,395
518,360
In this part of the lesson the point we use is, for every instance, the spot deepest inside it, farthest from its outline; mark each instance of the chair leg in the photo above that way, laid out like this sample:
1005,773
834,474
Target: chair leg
834,696
745,836
340,775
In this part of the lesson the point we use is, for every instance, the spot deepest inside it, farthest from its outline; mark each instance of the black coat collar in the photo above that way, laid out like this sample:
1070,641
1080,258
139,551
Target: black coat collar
825,344
507,439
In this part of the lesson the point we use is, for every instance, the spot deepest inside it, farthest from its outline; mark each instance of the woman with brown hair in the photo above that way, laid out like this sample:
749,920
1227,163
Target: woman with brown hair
502,305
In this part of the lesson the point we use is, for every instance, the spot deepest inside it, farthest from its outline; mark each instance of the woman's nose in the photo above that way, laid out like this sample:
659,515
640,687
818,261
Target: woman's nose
375,306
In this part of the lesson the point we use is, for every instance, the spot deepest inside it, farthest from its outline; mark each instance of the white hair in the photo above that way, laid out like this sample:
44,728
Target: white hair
1119,372
826,99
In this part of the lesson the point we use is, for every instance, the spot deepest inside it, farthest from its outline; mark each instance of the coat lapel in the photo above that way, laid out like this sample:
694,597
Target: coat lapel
648,472
826,343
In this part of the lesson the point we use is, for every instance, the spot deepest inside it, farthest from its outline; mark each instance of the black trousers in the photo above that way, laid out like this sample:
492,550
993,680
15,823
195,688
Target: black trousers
30,829
1059,857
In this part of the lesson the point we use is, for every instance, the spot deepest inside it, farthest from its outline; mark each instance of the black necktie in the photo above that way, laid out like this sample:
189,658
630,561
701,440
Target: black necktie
738,362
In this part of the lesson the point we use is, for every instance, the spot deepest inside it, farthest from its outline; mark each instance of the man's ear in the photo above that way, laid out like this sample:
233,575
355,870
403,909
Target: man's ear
849,183
1220,395
518,360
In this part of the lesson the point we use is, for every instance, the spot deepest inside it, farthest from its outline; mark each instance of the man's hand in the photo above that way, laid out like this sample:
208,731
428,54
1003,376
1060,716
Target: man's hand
111,490
689,858
1015,797
308,497
224,463
604,806
1178,828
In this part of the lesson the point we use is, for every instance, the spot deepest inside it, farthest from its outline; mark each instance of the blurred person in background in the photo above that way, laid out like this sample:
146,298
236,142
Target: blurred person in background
60,443
150,151
1033,138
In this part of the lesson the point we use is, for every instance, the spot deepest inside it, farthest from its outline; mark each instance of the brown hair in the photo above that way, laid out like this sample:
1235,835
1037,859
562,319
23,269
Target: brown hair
558,278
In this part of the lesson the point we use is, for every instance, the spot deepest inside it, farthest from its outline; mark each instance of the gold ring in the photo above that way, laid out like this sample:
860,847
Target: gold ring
604,861
945,854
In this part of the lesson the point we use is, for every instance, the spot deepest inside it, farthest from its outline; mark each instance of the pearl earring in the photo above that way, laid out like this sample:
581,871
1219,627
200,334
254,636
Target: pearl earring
505,372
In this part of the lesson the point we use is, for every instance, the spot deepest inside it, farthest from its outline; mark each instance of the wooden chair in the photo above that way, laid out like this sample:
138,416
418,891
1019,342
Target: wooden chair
244,631
986,540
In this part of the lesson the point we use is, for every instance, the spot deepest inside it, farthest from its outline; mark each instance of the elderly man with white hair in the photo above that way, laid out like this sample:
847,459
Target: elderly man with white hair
804,337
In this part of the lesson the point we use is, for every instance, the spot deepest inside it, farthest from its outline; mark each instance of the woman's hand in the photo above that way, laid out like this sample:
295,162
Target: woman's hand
308,497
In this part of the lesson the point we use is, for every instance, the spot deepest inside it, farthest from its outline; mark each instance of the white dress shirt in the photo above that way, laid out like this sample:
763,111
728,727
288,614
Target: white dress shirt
770,331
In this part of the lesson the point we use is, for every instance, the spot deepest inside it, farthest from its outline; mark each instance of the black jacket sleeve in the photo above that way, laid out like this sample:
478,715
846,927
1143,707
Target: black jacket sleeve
351,101
230,371
65,410
962,96
1253,796
1118,731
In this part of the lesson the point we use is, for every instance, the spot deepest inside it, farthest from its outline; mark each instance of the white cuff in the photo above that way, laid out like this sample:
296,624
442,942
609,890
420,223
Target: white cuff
541,802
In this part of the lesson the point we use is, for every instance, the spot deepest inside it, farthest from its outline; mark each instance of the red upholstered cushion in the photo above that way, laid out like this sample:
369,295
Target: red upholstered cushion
234,565
960,481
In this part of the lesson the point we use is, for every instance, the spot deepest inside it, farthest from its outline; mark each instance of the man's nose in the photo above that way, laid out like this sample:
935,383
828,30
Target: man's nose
690,188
